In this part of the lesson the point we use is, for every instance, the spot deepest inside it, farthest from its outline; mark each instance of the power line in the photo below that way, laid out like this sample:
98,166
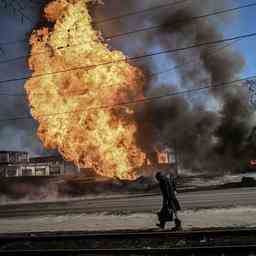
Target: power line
136,31
133,58
181,21
189,91
139,101
112,18
150,76
140,11
17,8
13,42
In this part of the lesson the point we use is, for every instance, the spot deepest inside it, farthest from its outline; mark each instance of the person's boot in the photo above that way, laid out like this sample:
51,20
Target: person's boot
177,225
161,224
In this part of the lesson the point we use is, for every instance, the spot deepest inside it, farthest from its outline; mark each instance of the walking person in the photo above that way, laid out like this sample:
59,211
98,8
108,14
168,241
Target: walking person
170,203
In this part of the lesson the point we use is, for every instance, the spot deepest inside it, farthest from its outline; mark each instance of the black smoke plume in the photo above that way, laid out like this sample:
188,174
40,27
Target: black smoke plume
213,140
210,129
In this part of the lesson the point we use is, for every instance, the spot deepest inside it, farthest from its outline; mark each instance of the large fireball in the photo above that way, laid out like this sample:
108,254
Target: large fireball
76,78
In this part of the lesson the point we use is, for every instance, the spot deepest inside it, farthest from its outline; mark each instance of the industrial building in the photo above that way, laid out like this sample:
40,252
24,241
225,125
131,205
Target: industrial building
161,157
18,164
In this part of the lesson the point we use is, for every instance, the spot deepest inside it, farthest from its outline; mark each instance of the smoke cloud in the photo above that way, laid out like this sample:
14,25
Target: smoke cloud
210,129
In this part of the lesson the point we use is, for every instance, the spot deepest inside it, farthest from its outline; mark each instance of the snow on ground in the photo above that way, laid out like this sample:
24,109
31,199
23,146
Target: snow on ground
199,182
9,201
233,217
220,180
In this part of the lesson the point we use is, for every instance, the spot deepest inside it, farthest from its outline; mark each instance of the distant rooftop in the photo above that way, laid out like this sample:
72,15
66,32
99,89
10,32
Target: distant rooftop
11,151
45,159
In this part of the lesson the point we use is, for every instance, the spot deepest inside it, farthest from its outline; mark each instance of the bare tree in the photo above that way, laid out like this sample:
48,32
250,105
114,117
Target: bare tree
18,8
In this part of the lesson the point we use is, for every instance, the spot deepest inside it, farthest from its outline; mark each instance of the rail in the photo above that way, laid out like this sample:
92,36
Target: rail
198,242
46,236
217,250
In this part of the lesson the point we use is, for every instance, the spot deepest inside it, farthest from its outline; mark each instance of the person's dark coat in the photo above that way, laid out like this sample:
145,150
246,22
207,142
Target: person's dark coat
168,188
170,203
165,214
173,199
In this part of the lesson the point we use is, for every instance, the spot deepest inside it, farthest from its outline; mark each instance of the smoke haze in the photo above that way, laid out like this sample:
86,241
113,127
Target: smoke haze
210,129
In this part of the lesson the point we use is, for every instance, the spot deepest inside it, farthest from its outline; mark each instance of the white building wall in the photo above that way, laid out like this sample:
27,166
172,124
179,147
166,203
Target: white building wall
19,172
18,168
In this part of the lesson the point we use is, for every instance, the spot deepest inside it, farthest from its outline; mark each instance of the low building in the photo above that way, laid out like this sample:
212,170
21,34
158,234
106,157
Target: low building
161,157
18,164
13,157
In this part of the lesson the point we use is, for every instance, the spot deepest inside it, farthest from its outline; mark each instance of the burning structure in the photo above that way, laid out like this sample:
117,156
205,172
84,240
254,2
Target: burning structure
19,164
82,94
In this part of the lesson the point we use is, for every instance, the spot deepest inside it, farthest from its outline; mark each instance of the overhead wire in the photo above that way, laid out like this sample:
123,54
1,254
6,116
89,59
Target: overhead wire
133,32
186,20
17,8
149,76
143,100
112,18
161,52
154,74
128,14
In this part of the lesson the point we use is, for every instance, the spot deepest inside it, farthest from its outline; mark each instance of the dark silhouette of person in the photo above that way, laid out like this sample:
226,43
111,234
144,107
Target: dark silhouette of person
170,203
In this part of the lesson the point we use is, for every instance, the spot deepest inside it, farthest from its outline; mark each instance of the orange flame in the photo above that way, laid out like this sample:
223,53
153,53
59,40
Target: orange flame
69,105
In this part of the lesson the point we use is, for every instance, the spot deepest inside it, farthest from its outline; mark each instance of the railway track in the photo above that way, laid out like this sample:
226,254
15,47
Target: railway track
200,242
245,250
115,235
